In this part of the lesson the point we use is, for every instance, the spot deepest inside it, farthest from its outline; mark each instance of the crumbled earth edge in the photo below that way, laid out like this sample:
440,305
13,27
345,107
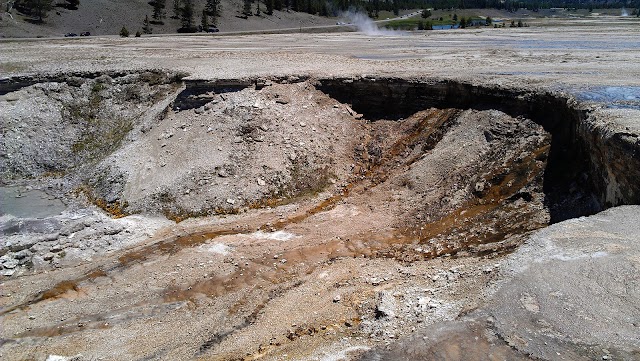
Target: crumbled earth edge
263,272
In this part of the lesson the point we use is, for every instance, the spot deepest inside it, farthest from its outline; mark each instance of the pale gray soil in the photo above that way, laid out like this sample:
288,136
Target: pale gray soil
385,237
559,297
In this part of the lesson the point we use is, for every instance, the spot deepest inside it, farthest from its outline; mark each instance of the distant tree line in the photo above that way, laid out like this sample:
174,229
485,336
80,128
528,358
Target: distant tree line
185,11
374,7
38,9
532,5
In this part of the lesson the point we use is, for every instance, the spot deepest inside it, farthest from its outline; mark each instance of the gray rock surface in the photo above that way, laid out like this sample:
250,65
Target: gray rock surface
559,297
215,288
569,283
73,237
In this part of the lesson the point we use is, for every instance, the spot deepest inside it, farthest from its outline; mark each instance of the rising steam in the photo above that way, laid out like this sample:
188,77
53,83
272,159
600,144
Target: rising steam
364,24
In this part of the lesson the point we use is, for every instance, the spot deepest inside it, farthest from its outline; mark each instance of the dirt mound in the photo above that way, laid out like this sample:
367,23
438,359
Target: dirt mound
442,181
242,148
133,144
313,225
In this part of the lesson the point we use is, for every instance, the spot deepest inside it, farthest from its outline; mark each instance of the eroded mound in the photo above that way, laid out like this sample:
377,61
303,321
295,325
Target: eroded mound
246,148
309,210
443,180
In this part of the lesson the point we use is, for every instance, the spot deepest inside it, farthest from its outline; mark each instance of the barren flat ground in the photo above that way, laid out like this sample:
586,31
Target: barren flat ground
584,53
458,195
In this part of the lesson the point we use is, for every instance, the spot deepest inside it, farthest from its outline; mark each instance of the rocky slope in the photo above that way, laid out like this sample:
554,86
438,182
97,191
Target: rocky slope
535,315
384,205
228,148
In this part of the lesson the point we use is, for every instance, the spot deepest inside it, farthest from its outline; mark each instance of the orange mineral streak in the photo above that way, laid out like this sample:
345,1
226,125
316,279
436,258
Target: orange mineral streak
266,271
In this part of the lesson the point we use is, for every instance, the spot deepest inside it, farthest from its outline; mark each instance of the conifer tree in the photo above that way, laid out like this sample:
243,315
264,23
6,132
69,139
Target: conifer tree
246,9
186,15
146,27
204,21
324,10
213,9
177,9
38,9
158,11
269,5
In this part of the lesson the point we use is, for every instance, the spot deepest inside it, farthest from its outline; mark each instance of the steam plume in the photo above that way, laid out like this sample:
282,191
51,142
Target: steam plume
364,24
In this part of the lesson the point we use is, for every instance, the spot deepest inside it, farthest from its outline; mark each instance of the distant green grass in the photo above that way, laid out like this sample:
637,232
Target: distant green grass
382,15
385,14
412,23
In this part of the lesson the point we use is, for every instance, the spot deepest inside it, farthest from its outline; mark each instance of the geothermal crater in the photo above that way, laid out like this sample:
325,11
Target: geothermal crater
288,192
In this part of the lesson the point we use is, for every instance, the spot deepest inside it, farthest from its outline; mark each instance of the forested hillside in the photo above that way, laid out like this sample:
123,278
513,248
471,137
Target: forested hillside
25,18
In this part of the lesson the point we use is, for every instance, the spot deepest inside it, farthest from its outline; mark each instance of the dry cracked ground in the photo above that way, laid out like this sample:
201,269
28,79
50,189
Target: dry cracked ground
465,195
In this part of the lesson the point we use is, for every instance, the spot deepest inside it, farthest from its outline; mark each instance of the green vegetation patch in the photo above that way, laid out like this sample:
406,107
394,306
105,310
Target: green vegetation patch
100,134
414,23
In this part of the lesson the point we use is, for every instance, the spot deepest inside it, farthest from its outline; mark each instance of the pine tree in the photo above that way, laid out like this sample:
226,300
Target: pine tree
324,10
186,15
246,9
38,9
158,12
213,9
269,5
258,8
204,21
124,32
177,9
146,27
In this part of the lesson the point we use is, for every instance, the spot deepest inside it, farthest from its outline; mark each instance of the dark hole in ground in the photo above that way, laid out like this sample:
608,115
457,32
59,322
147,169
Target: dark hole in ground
574,183
198,94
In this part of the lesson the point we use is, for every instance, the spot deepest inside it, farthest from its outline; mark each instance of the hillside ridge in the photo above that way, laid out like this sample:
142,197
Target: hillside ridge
107,17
